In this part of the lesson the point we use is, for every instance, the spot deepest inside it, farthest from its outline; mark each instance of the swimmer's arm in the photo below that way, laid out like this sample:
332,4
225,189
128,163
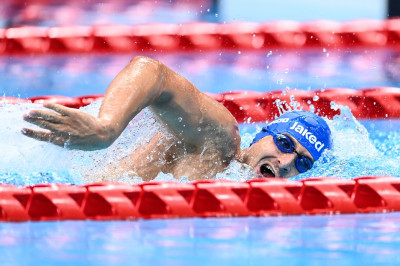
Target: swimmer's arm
191,115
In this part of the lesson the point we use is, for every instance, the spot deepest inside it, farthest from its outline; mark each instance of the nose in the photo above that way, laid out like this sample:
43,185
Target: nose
286,163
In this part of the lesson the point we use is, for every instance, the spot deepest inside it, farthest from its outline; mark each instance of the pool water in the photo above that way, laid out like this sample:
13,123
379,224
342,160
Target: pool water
362,239
214,71
365,148
361,148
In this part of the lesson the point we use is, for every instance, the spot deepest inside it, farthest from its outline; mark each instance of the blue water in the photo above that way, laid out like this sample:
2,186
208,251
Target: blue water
361,148
219,71
367,239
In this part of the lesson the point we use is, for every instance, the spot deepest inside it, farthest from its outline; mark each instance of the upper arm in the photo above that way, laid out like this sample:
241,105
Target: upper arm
191,115
195,117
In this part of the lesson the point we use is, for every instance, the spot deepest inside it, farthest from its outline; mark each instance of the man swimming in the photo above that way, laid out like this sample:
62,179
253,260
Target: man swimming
206,136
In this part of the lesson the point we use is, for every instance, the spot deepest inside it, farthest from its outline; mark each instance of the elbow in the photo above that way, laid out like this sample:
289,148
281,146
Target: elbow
156,74
153,65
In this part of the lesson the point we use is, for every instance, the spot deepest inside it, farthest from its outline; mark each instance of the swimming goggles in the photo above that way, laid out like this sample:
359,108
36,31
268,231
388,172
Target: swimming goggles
285,144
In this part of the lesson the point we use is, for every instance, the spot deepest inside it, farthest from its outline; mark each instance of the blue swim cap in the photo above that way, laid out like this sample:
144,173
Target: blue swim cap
307,128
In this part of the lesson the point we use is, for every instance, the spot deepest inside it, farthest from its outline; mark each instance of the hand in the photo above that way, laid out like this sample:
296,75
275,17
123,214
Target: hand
70,128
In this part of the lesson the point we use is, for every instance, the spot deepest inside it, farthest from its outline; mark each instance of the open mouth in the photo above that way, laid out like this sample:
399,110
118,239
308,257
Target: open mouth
267,171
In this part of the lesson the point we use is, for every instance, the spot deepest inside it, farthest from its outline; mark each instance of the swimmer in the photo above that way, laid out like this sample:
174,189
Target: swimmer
206,135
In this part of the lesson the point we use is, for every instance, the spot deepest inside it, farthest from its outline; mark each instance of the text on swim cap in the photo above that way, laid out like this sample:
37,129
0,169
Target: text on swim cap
308,135
280,120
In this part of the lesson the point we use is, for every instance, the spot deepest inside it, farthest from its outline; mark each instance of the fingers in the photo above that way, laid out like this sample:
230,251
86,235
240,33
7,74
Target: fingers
43,114
59,108
45,136
40,122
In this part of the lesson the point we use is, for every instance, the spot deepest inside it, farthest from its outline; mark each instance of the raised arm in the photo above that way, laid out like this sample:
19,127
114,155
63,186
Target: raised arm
190,114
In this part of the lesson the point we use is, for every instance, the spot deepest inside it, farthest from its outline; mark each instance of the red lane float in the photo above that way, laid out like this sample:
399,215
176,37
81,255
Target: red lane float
248,106
199,36
207,198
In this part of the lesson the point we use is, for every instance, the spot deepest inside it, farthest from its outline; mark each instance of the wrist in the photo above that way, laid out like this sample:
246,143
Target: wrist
108,132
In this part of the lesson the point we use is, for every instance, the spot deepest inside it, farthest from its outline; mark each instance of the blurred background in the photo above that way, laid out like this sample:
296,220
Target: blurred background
75,74
90,12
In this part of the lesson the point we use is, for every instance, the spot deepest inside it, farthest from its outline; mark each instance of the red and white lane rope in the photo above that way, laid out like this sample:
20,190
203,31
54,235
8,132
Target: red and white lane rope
369,103
157,200
199,36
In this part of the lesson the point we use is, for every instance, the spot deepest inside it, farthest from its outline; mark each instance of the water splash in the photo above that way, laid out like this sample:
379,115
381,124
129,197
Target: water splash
104,165
24,161
355,153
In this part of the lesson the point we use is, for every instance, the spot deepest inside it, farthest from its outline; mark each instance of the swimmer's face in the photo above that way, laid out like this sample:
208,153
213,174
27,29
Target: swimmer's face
268,161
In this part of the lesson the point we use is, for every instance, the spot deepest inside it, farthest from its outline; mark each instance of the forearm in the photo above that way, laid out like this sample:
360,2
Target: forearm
137,86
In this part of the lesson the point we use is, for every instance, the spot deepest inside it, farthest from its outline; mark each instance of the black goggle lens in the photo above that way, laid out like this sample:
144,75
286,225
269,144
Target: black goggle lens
285,144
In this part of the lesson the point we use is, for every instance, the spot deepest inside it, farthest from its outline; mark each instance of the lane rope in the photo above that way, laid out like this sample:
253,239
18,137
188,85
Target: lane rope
258,197
200,36
249,106
207,198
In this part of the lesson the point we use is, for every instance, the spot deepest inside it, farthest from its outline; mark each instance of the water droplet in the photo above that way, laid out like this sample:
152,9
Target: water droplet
286,70
279,81
315,98
180,119
268,67
239,52
324,50
334,106
199,129
216,15
269,54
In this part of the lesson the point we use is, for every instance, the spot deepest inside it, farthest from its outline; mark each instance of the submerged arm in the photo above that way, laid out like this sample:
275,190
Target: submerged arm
191,115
